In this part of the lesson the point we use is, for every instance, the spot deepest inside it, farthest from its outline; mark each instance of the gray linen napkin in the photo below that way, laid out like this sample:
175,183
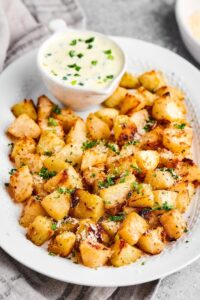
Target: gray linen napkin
22,28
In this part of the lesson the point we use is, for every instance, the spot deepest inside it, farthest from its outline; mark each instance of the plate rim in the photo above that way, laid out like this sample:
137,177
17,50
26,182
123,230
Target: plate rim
85,281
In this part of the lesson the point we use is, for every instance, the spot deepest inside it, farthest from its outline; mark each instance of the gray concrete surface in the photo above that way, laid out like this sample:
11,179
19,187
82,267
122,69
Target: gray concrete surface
153,21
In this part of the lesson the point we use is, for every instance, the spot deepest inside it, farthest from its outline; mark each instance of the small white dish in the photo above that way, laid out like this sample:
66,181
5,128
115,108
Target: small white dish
79,98
183,10
23,77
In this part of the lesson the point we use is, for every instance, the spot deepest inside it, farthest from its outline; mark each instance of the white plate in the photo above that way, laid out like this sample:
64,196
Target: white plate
21,80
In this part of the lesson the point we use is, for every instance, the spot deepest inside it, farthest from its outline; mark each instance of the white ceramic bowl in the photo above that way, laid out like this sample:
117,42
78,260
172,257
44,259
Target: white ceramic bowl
78,98
183,10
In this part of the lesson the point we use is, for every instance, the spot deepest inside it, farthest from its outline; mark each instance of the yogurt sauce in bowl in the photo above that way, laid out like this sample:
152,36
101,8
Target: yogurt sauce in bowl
81,68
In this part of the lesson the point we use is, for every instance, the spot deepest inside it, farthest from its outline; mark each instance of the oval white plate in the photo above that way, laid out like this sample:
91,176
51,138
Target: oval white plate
21,80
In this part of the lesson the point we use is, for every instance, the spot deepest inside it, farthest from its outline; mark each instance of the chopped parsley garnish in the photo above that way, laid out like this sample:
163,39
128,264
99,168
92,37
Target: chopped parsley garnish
143,263
54,226
108,51
52,122
133,142
137,169
72,53
109,76
48,153
56,109
79,55
94,62
75,66
12,171
64,78
64,190
89,46
122,180
37,198
137,187
119,217
112,147
73,43
46,174
107,182
185,230
11,145
111,57
89,144
76,75
171,171
81,83
90,40
149,124
73,82
180,126
165,206
52,254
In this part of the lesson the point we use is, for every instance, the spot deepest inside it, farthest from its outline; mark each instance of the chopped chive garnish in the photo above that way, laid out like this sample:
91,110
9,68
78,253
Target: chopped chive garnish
77,75
12,171
81,83
73,82
56,109
107,51
90,40
80,55
109,76
71,53
64,78
94,62
73,42
89,46
52,122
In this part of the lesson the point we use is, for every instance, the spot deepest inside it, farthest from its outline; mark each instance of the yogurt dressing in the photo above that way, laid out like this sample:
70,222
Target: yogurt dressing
82,60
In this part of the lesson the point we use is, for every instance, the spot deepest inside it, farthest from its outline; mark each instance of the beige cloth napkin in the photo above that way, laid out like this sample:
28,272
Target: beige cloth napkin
22,28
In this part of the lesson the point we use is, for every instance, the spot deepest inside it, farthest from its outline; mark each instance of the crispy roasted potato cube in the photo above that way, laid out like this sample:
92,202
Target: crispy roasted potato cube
173,223
159,179
94,156
77,133
107,115
57,204
62,244
188,171
153,139
165,108
49,142
92,174
94,254
142,196
164,198
147,160
68,178
185,191
52,125
72,153
31,210
129,102
129,81
123,166
67,117
177,137
24,126
97,128
44,107
111,227
32,160
25,107
140,118
116,98
23,146
55,164
21,184
40,230
88,206
175,93
151,241
38,185
152,80
132,228
69,224
124,254
124,129
114,196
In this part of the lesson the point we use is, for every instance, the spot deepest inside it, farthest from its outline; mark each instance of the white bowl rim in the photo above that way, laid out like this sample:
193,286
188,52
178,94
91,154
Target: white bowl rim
66,29
182,23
